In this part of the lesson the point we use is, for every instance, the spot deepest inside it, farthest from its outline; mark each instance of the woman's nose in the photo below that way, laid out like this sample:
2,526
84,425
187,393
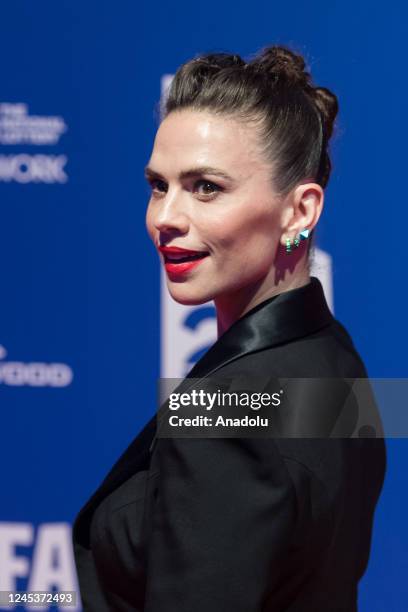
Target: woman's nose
170,214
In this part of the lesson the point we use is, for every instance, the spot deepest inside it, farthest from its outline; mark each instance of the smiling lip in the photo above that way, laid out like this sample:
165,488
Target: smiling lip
175,261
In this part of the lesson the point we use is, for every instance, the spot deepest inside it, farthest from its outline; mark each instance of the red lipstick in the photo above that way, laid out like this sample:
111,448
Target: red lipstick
179,261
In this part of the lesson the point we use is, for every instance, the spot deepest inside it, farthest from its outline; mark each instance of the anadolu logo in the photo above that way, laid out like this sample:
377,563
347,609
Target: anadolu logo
33,374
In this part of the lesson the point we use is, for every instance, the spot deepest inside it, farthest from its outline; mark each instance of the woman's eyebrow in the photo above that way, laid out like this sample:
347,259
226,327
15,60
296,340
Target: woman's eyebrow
191,172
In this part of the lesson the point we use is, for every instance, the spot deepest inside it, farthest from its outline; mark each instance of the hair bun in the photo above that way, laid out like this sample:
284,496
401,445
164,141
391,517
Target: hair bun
289,67
218,61
283,63
328,106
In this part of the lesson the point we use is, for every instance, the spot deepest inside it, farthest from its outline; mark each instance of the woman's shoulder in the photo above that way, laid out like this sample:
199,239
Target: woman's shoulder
328,352
323,382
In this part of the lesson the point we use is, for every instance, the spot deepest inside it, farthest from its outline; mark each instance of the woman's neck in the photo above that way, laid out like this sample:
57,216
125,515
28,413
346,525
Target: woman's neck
235,305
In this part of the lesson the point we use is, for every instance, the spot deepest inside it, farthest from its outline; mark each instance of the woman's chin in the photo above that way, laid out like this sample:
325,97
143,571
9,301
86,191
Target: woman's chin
188,296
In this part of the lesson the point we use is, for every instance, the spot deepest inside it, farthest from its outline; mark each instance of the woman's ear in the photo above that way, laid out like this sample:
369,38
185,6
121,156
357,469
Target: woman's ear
302,210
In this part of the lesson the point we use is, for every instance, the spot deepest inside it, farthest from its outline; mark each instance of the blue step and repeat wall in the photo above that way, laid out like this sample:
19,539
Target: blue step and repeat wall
84,327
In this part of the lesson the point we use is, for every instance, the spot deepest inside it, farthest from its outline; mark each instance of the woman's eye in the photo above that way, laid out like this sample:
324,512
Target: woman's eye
202,187
158,185
209,188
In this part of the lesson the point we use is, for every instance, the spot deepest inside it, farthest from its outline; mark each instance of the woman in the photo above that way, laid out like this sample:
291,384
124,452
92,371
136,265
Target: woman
246,524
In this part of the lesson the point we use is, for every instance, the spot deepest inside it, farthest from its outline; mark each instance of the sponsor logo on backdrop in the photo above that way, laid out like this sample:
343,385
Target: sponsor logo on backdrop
33,374
46,564
25,168
19,128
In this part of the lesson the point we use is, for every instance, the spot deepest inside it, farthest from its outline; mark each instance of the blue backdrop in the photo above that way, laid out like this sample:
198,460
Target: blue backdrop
79,313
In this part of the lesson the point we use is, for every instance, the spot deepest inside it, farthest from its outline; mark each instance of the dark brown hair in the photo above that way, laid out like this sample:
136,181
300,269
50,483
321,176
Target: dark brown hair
274,90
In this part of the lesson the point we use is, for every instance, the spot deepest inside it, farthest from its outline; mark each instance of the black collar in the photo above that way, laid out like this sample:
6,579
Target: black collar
277,320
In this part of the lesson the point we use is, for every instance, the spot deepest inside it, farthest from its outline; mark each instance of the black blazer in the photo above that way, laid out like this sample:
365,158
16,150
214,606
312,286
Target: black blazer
242,524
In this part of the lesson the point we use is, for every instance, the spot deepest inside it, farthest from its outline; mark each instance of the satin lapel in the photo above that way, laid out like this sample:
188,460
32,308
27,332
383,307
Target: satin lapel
278,320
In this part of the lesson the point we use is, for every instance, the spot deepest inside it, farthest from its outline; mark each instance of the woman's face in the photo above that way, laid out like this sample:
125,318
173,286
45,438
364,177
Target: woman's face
212,192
